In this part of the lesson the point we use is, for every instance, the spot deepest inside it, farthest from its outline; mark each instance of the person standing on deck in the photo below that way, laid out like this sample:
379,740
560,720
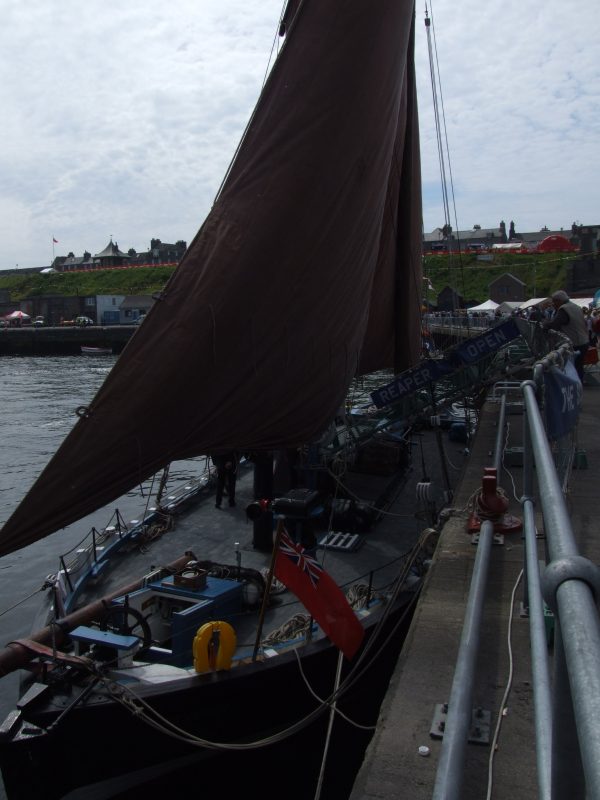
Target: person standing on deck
226,464
569,320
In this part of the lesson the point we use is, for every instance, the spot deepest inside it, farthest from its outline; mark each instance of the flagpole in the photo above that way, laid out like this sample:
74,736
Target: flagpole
269,581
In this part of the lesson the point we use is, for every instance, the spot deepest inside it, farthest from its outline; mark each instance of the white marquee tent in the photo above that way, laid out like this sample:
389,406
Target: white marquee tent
489,305
583,301
579,301
535,301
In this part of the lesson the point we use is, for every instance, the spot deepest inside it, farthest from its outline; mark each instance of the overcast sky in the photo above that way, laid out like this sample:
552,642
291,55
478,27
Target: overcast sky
120,118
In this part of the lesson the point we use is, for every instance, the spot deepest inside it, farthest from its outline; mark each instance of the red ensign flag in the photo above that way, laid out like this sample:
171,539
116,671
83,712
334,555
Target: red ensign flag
320,594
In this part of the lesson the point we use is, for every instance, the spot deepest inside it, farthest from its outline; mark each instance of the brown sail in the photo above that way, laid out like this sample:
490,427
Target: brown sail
305,273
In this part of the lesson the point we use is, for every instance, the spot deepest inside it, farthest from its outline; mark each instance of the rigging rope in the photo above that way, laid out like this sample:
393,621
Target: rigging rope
251,120
436,113
332,710
442,140
42,588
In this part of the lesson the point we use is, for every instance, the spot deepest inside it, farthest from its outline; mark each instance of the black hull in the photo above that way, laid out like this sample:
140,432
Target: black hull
100,742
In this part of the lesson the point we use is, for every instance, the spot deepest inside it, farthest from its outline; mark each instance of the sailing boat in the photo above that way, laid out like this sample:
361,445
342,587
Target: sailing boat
305,274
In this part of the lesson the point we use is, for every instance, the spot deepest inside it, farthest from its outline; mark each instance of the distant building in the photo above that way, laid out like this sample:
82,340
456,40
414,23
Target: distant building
445,240
442,240
159,253
108,308
587,238
112,257
55,308
449,300
133,307
72,262
507,287
583,273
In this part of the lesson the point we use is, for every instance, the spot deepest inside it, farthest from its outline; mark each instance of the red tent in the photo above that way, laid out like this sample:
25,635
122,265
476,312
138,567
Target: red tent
555,244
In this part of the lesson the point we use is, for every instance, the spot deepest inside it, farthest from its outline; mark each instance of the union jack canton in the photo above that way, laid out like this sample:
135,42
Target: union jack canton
309,565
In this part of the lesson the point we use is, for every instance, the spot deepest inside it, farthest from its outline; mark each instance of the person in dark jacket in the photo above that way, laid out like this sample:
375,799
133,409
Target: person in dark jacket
226,464
569,320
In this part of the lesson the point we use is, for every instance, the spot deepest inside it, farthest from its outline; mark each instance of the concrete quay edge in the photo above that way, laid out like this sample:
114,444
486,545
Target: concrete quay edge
393,766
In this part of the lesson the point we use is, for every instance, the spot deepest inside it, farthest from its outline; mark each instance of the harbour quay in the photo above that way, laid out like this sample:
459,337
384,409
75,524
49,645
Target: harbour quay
406,753
32,341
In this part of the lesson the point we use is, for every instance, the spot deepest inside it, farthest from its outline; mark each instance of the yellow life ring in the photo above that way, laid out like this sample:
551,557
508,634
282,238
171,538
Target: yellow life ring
214,646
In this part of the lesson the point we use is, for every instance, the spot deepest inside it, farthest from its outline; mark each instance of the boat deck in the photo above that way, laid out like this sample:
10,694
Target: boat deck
223,536
226,536
393,766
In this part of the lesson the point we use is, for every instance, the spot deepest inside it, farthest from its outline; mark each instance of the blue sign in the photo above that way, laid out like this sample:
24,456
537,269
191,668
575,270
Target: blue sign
563,391
432,369
411,381
489,342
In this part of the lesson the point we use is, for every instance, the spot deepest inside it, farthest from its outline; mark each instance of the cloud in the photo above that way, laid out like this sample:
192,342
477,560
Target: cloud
521,104
121,118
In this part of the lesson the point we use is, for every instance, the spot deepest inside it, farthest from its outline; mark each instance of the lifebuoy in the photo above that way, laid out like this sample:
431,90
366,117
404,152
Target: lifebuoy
214,646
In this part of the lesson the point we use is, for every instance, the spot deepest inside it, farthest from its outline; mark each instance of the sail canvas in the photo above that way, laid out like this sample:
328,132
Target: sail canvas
305,273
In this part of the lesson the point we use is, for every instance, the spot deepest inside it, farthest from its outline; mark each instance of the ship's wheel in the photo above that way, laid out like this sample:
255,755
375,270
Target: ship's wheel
127,621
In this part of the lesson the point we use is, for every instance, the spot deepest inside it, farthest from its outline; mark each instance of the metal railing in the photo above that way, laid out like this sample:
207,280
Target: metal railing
570,584
566,706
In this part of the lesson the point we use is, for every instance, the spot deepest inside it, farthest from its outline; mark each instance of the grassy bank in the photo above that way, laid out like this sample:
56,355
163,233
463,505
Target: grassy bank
542,275
136,280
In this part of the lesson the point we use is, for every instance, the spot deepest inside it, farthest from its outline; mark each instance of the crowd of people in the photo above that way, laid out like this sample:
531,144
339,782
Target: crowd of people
581,324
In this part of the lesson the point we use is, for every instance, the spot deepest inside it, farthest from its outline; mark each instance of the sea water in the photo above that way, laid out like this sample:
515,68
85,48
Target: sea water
37,411
39,398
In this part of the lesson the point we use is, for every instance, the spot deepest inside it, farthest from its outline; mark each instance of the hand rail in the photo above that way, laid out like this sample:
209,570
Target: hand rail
566,705
448,779
569,584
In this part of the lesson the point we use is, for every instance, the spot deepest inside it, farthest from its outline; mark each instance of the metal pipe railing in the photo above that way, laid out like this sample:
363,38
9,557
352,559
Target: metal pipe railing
565,709
499,447
533,603
567,581
450,770
568,780
448,781
542,697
